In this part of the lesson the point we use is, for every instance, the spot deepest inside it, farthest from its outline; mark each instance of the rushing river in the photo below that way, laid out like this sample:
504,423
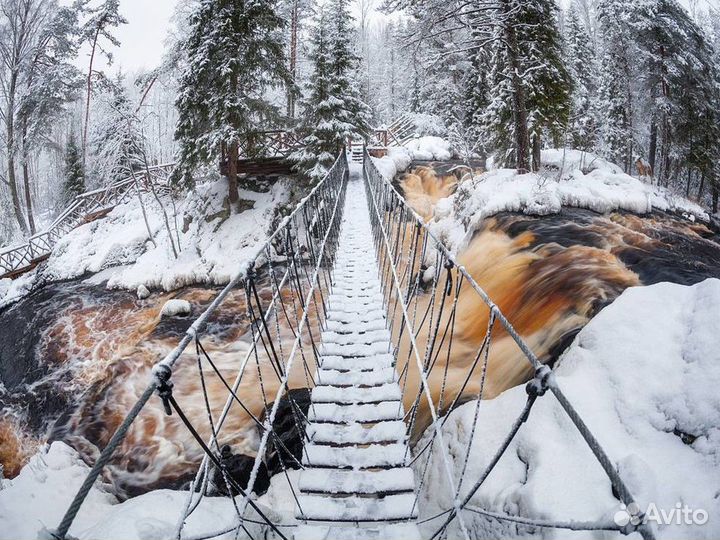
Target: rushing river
75,356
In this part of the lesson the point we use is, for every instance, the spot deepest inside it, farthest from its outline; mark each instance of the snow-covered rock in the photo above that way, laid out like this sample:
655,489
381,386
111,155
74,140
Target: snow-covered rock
644,375
396,161
13,289
143,292
429,148
175,308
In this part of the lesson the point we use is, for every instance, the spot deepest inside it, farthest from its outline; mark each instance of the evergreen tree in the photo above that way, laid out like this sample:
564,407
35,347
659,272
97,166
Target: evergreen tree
74,183
546,78
530,85
333,110
615,93
581,67
235,53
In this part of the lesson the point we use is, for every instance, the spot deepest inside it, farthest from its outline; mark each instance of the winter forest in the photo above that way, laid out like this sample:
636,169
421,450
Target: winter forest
635,82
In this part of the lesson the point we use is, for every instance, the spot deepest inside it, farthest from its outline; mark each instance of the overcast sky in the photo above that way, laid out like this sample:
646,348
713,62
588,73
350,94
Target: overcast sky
149,20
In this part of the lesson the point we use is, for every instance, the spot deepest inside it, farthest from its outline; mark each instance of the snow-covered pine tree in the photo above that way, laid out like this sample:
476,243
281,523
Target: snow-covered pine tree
498,123
582,129
354,114
235,53
477,94
74,182
674,59
530,85
545,75
615,97
332,110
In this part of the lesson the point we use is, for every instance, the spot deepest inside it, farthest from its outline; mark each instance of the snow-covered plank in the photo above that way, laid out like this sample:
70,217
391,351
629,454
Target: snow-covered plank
355,394
390,531
343,414
357,482
388,431
357,318
344,327
356,457
360,363
392,507
354,349
368,336
356,378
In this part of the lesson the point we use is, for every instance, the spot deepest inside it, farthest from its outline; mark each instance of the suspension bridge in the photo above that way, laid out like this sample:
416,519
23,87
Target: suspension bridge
354,300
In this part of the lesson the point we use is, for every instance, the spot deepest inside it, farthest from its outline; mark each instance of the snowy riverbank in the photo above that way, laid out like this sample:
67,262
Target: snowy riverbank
214,244
569,178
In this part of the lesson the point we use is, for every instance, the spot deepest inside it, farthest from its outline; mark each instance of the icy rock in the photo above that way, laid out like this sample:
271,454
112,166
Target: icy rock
176,308
143,292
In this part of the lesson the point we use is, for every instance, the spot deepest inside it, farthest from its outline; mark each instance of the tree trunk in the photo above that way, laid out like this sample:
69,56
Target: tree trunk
652,153
87,100
522,140
233,196
10,149
293,58
28,195
701,188
689,179
536,152
26,178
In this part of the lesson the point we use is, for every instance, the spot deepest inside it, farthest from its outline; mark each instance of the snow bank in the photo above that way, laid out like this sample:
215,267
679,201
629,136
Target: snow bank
214,245
644,375
37,499
14,289
395,162
429,149
603,187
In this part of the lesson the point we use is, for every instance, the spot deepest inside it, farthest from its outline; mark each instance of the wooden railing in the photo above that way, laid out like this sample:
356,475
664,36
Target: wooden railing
15,260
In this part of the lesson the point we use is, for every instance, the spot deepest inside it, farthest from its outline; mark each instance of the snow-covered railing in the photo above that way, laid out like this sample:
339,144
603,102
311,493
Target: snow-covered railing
442,366
81,208
285,287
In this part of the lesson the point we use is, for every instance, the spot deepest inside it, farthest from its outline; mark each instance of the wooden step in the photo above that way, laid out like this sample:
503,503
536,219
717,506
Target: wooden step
357,433
357,482
363,414
322,508
372,456
356,394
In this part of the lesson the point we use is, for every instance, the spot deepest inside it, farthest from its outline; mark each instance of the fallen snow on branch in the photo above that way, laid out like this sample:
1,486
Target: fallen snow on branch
644,375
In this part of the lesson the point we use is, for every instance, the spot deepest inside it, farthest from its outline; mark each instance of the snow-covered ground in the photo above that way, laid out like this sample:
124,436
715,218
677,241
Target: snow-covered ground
644,375
38,497
568,178
214,244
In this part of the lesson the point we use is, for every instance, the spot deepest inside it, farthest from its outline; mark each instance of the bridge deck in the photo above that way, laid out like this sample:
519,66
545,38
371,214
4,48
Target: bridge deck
357,483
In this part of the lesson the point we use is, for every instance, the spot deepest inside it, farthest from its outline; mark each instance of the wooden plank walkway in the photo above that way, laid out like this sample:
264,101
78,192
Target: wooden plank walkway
357,483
